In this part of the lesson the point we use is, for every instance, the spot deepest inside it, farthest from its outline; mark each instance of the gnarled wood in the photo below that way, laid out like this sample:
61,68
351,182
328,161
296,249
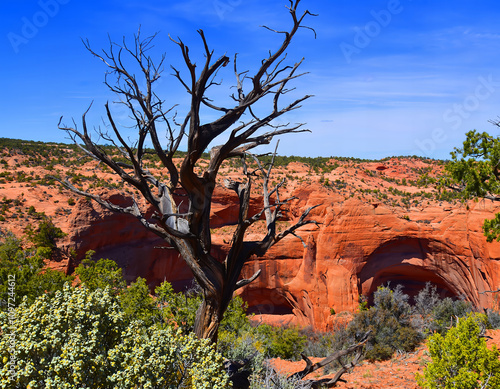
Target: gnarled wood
188,231
356,349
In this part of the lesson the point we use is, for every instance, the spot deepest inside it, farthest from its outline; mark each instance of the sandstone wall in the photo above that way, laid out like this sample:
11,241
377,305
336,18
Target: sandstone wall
357,247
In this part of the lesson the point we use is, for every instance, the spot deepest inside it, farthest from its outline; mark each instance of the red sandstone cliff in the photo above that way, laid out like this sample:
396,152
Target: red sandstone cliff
357,247
367,236
360,246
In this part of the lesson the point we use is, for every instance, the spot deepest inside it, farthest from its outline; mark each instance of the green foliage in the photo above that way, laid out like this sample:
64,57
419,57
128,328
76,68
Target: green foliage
461,360
389,321
178,308
363,303
238,339
135,300
235,319
475,167
164,358
320,344
81,339
446,311
100,274
425,302
172,308
475,164
493,319
137,303
491,228
27,268
435,314
45,236
282,342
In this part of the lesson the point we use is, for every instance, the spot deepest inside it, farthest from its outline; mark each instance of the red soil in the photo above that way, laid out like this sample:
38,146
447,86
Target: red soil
397,373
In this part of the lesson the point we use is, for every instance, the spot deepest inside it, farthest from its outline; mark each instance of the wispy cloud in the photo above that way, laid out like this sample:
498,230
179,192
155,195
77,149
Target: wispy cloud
397,89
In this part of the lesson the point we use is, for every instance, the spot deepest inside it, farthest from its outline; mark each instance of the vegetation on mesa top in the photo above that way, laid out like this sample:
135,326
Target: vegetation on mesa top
54,149
64,160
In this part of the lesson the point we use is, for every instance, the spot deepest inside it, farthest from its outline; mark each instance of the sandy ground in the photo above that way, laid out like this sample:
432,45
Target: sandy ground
398,373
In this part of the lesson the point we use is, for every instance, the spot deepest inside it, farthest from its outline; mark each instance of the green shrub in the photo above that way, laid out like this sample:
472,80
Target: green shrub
493,319
393,301
445,312
273,342
461,359
136,300
165,358
319,344
27,269
235,319
178,308
434,314
81,339
389,323
45,235
387,336
137,303
100,274
425,302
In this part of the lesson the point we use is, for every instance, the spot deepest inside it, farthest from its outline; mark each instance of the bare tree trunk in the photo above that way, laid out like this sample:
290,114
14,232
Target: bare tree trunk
245,129
206,325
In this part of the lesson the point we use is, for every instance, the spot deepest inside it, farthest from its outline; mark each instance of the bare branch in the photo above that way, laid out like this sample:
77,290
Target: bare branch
242,283
133,74
310,367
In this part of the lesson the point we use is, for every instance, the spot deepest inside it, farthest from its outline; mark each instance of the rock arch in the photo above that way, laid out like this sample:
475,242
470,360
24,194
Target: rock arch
414,261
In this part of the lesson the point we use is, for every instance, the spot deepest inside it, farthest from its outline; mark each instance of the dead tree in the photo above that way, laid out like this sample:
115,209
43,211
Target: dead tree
245,128
356,349
355,353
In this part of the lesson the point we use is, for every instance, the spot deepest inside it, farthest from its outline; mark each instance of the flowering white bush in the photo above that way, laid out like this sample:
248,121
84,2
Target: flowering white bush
80,339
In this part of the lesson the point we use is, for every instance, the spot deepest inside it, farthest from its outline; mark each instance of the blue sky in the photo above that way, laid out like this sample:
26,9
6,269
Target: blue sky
397,77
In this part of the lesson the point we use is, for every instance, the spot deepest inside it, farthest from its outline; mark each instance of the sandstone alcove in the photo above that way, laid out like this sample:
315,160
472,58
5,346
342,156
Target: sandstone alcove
265,301
412,263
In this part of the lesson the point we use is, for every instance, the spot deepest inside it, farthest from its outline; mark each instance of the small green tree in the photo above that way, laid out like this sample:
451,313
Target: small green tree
475,170
100,274
461,359
178,308
137,303
389,323
433,314
286,343
45,235
446,311
26,268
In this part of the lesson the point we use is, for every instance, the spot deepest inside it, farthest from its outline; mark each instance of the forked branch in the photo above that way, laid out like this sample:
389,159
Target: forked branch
133,76
356,349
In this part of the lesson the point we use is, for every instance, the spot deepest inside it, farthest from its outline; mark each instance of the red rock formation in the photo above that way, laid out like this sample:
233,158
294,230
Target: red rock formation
357,247
368,235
